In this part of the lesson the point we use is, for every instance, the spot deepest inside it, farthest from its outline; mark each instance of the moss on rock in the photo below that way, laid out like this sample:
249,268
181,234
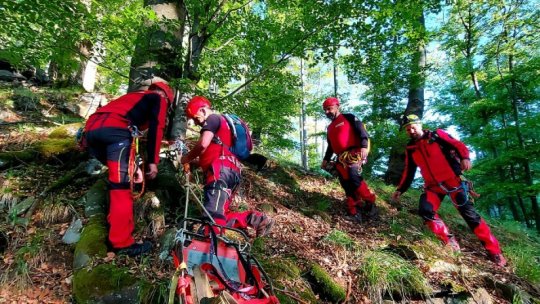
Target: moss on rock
65,131
95,199
92,242
105,283
54,146
284,274
327,287
13,156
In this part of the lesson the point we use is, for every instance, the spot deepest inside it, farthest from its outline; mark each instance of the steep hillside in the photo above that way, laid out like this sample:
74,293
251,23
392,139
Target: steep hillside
313,254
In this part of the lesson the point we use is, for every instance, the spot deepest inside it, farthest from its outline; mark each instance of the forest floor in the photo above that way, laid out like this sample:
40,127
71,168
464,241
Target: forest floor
390,258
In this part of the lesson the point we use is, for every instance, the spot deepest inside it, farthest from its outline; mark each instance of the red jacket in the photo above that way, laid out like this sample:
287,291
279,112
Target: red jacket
216,150
344,133
437,154
145,110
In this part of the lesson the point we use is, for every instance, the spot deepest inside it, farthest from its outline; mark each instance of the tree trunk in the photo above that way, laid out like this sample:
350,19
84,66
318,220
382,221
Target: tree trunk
525,163
524,211
303,150
335,69
415,105
156,53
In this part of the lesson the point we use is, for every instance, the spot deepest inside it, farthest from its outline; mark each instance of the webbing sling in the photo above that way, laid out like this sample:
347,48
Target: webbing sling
135,161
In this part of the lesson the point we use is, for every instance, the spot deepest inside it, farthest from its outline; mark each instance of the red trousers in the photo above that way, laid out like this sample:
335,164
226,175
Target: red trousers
356,189
430,201
112,146
219,193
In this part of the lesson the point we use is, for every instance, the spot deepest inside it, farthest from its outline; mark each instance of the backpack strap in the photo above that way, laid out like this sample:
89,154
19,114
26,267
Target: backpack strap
218,140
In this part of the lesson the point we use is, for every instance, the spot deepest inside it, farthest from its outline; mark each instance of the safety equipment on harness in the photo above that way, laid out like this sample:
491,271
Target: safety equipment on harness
352,121
348,157
468,189
242,143
196,103
330,101
135,162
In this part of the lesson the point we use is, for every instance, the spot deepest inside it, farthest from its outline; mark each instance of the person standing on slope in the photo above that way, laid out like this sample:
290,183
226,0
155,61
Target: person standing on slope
441,160
221,169
348,138
109,135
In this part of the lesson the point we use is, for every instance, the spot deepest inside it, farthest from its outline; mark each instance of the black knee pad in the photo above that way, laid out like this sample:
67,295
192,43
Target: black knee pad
425,210
469,214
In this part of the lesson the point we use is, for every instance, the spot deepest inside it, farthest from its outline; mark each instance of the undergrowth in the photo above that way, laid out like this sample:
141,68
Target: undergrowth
340,238
386,274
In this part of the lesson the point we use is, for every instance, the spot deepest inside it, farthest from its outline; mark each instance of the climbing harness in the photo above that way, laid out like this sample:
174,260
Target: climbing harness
135,162
468,190
351,157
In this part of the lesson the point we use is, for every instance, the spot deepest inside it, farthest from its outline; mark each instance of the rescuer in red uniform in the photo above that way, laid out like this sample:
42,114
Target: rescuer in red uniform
348,138
441,159
221,169
108,135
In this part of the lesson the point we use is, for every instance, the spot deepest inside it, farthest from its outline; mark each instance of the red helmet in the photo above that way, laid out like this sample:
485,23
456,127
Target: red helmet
330,101
165,88
195,104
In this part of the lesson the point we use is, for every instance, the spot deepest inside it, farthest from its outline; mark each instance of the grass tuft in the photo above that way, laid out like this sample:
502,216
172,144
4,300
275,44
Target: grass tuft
340,238
385,273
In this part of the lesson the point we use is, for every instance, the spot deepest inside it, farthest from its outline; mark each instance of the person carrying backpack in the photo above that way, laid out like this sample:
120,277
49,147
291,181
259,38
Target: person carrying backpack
221,168
348,138
109,134
442,159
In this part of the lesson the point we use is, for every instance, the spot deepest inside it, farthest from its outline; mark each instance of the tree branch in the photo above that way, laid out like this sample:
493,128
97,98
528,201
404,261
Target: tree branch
227,14
283,58
223,45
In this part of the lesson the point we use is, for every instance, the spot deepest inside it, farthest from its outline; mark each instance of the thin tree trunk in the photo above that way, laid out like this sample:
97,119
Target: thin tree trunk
415,105
525,162
303,149
335,69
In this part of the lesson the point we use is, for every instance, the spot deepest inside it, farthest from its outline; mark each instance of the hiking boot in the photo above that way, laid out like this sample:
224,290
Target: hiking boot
357,218
135,249
370,211
453,244
261,223
498,259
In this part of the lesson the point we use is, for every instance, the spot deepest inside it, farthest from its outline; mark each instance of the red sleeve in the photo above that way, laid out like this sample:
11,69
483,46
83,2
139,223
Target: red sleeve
460,147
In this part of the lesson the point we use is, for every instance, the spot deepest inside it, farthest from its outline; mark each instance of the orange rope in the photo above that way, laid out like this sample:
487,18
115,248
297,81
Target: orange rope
132,169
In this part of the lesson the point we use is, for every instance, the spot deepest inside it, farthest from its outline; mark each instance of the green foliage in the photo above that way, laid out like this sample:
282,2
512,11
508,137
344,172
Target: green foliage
490,95
386,273
340,238
520,245
522,257
25,100
34,30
